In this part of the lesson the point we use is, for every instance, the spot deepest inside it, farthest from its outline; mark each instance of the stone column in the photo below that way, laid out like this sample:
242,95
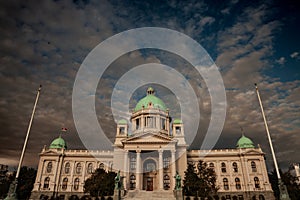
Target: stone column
173,169
126,174
161,168
138,169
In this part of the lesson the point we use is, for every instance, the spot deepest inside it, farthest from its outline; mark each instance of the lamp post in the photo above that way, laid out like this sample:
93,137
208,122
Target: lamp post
284,195
12,195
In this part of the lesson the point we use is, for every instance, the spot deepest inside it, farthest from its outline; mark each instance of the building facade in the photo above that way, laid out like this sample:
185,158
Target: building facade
148,158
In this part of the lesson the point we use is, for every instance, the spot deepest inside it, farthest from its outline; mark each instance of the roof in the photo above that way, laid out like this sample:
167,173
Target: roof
122,121
152,100
245,142
58,143
177,121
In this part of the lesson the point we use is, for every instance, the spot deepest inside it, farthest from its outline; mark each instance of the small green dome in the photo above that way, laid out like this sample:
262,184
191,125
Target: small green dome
58,143
150,98
245,142
122,121
177,121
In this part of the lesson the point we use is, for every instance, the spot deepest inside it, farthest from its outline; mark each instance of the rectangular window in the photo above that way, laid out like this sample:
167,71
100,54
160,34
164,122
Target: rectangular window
137,124
163,124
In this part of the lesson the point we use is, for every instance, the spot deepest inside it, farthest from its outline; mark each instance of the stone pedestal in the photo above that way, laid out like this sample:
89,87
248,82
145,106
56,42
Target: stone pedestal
178,194
117,194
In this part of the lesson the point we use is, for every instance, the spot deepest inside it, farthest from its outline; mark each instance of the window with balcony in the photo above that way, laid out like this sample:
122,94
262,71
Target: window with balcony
64,184
49,167
225,184
256,182
223,167
132,163
78,168
90,168
76,184
237,184
235,167
67,168
166,162
101,166
46,183
253,166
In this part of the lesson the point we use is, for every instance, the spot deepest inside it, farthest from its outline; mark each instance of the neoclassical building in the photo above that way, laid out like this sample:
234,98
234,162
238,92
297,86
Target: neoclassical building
148,158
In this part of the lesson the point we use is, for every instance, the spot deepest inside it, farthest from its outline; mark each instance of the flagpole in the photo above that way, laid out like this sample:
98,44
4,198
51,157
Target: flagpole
13,186
282,188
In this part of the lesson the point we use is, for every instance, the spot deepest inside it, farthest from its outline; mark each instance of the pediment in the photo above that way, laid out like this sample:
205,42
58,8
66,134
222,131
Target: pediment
253,151
149,138
49,152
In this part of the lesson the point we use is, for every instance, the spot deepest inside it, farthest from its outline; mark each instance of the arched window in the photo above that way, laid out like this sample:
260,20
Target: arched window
256,182
253,166
166,182
225,183
90,168
49,167
101,166
78,168
67,168
64,184
261,197
46,182
223,167
132,182
237,183
132,163
76,184
166,163
235,167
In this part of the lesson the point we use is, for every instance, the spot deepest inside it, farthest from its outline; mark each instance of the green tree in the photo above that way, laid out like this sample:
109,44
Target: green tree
200,182
101,183
25,182
190,181
289,180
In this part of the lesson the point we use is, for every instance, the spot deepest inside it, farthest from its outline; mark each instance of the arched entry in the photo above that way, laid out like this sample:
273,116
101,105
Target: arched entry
149,174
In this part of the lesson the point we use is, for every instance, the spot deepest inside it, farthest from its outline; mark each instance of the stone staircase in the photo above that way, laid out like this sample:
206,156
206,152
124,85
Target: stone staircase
152,195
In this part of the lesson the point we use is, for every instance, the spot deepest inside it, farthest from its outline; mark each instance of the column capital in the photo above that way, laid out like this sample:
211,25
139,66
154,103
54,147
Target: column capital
138,151
173,150
160,151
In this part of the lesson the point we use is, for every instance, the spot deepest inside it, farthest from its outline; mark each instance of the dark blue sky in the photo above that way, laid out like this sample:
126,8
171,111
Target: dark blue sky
45,42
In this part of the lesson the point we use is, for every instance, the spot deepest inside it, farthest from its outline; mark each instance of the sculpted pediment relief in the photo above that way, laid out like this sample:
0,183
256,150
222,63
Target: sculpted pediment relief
149,138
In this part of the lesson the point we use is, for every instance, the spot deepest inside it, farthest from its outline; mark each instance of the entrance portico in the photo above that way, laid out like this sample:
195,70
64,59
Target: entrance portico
147,156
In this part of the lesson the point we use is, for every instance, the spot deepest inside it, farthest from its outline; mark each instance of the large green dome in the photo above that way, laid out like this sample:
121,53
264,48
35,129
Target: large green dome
58,143
245,142
150,98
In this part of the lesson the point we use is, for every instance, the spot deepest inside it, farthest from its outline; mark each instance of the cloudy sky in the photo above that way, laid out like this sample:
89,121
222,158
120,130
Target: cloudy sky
45,42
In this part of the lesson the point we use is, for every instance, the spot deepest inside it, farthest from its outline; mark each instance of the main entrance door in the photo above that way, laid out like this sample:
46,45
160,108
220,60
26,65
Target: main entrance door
149,184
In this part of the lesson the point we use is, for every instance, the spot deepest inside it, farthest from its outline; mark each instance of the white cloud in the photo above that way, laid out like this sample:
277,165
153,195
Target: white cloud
281,60
295,55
